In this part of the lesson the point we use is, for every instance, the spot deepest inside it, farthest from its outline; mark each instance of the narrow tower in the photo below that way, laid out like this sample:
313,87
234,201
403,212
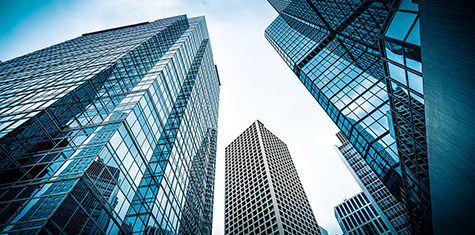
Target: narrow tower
392,212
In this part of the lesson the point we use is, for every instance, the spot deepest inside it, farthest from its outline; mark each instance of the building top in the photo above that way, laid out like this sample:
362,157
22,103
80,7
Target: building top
263,190
116,28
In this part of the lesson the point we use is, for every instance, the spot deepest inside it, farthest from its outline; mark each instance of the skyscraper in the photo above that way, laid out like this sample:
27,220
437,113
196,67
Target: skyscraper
263,191
361,60
113,132
392,212
357,215
322,42
323,231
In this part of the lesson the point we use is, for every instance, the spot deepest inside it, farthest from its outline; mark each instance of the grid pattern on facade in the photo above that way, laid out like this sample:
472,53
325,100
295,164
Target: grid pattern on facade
357,216
263,192
401,55
32,82
119,136
340,50
344,73
249,207
392,212
294,209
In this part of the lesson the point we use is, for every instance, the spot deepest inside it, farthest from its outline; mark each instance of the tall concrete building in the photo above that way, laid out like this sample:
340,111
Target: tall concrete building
112,132
264,194
392,212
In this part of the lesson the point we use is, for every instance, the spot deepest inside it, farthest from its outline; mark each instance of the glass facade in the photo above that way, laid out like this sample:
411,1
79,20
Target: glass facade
323,231
361,60
264,194
401,54
113,132
332,47
392,212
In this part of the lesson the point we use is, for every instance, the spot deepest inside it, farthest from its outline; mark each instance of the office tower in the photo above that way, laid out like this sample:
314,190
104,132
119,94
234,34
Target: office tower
322,230
361,60
392,212
263,191
357,216
322,42
112,132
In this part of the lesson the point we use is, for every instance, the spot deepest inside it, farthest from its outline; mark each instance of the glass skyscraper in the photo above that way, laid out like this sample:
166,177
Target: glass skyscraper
324,44
361,61
323,231
264,194
392,212
113,132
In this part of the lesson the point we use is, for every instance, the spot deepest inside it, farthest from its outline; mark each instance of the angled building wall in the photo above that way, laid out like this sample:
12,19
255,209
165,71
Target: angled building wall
393,213
100,134
332,48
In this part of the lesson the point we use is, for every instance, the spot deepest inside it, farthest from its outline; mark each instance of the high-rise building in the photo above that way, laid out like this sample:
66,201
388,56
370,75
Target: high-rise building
392,212
112,132
323,231
264,194
339,63
357,216
361,60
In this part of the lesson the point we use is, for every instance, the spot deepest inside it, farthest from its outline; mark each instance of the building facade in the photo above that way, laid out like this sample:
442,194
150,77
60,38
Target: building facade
449,82
263,193
339,63
392,212
323,231
113,132
357,216
361,60
400,44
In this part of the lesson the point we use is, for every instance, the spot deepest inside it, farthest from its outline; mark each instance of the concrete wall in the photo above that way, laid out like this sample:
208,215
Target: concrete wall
448,58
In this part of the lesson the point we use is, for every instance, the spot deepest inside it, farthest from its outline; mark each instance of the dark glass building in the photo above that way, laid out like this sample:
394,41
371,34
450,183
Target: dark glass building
263,192
113,132
342,69
361,60
401,55
392,212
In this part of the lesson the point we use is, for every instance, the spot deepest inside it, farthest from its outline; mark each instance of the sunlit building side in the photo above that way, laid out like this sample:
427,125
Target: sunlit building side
112,132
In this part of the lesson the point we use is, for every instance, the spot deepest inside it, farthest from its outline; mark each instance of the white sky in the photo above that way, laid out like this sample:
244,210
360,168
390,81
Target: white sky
256,83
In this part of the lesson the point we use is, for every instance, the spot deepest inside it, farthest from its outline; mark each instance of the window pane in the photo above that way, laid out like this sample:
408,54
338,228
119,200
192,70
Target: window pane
400,25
